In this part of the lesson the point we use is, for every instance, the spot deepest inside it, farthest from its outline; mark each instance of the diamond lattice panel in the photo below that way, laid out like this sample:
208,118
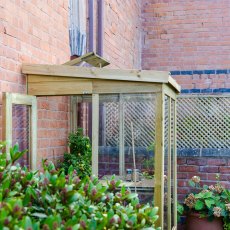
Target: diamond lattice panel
112,123
142,114
137,109
203,122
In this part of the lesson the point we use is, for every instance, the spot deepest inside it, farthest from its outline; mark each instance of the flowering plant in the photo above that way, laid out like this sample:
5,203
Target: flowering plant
209,201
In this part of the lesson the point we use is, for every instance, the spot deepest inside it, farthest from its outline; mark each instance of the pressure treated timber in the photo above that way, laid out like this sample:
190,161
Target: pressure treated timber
159,159
121,136
90,58
169,175
14,98
33,136
7,123
105,86
174,84
175,164
52,86
101,73
69,80
169,91
73,113
41,78
60,88
95,130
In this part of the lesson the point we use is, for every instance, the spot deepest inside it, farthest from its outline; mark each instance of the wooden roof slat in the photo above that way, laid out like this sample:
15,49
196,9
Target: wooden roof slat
90,58
151,76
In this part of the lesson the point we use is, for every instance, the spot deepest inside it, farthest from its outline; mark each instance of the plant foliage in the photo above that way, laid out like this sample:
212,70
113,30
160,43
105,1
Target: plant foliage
209,201
80,154
53,200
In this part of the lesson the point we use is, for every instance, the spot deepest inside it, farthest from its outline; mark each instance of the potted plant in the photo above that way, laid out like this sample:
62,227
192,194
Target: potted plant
148,169
207,207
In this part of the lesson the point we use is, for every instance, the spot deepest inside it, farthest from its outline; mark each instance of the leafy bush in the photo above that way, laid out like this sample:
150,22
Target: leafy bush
53,200
80,154
209,201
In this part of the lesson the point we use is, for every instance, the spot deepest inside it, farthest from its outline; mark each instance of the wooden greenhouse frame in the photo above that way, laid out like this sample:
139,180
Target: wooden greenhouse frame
60,80
8,100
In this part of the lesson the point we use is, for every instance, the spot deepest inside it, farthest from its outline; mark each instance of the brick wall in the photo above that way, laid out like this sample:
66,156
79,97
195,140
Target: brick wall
36,32
190,39
203,81
122,45
185,35
206,168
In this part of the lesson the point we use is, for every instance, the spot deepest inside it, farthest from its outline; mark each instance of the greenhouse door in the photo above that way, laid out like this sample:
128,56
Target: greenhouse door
20,125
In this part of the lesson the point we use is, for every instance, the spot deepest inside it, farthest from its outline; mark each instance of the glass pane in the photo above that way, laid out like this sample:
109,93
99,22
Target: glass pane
139,138
108,156
84,114
126,140
20,131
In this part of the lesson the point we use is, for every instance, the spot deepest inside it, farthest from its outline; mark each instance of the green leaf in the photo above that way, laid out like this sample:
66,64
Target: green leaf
93,224
180,209
6,183
191,183
132,196
27,223
110,214
205,187
18,155
208,194
48,198
199,205
39,215
153,212
70,170
26,199
209,202
29,176
123,190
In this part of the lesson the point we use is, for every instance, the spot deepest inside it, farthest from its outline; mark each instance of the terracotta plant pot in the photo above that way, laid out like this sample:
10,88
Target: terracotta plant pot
194,222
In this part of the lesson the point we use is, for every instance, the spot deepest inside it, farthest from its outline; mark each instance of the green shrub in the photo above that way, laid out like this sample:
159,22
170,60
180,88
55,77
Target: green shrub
53,200
211,201
80,154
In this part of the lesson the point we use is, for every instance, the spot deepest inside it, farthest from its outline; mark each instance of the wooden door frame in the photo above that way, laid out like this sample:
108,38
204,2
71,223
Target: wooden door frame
20,99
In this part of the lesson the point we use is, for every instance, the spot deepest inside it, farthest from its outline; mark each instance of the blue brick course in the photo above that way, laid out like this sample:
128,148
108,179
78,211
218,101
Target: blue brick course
206,71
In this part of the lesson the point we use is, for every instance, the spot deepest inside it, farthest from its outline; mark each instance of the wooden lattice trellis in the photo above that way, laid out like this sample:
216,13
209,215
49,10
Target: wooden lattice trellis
141,112
203,121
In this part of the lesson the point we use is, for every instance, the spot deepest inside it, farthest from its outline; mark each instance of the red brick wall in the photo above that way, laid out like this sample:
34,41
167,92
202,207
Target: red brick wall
36,32
190,39
206,168
185,35
204,83
122,44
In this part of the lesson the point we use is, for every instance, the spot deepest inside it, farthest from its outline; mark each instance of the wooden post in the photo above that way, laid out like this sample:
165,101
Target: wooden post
33,133
7,122
73,113
175,164
95,133
169,176
14,98
121,137
159,158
